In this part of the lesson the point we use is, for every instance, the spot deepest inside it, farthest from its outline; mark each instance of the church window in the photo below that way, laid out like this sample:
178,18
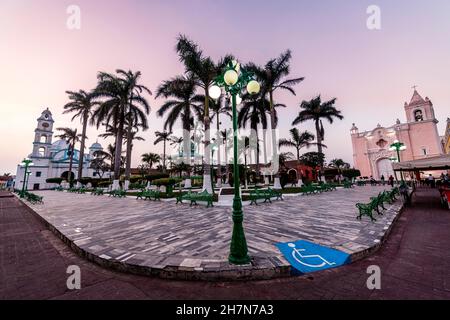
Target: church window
382,143
38,174
45,125
42,152
424,151
418,115
44,139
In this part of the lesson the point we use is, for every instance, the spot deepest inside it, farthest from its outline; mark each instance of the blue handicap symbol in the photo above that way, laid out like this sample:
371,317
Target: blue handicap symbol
308,257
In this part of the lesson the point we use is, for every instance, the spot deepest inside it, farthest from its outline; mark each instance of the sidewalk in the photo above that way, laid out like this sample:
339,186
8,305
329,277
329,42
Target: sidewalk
415,264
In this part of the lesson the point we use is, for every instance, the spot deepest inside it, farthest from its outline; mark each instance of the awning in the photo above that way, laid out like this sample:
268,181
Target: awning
434,163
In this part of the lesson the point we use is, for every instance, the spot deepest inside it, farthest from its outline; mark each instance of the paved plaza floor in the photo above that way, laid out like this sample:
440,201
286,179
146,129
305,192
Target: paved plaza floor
414,263
161,235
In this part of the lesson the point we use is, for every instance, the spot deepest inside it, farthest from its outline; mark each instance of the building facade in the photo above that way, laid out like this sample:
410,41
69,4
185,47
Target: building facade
51,159
371,154
446,138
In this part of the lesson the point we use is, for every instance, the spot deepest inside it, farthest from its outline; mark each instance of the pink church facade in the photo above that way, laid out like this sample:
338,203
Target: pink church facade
371,154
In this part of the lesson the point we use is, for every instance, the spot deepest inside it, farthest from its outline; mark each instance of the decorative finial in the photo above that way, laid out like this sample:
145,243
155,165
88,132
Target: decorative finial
414,87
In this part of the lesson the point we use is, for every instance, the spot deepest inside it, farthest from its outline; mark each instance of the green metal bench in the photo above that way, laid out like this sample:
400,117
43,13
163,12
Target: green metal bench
118,194
60,189
97,192
34,198
348,185
309,189
194,197
81,191
366,209
259,195
149,195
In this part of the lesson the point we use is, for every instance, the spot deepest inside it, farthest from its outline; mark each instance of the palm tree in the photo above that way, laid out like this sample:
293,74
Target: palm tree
162,137
339,164
150,159
315,110
71,136
182,105
253,111
272,78
203,71
221,106
284,157
122,100
81,103
298,141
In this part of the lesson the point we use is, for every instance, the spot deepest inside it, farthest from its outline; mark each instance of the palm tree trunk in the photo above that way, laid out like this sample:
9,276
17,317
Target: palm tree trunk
71,148
164,156
80,161
187,149
118,151
319,144
219,165
207,183
275,160
129,149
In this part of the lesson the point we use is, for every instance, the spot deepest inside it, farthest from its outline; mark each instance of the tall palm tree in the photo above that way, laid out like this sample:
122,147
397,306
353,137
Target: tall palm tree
298,141
121,99
183,105
71,136
315,110
162,137
219,107
253,112
272,77
204,71
150,159
81,104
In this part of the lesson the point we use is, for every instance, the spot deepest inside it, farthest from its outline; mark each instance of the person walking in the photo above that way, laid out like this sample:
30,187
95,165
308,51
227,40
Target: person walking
391,180
382,179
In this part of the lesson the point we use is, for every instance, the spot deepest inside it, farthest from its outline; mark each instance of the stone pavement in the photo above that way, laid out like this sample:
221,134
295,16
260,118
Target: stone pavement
177,241
414,261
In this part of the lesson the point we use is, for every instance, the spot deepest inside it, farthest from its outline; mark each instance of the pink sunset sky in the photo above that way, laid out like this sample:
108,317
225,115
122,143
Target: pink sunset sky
371,72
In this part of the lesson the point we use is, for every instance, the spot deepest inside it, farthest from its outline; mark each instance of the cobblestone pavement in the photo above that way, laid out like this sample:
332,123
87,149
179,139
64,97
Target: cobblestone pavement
415,263
134,229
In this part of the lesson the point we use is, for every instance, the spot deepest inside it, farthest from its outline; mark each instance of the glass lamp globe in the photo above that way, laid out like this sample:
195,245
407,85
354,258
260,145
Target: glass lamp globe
238,100
231,77
253,87
215,92
402,148
396,141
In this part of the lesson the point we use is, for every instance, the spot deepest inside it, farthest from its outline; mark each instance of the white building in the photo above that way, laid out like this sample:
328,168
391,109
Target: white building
51,160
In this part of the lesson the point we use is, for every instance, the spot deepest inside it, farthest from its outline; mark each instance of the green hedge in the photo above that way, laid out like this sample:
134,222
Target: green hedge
54,180
156,176
167,182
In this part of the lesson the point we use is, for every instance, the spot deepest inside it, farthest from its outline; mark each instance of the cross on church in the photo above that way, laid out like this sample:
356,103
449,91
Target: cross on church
414,87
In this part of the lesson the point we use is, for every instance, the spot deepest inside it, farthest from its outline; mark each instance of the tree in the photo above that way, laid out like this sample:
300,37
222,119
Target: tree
203,71
284,157
150,159
315,110
162,137
71,137
298,140
99,166
339,164
121,100
81,104
183,105
272,77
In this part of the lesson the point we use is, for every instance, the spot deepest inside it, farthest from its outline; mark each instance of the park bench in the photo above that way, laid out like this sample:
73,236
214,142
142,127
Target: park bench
33,198
194,197
259,195
118,194
348,185
308,189
366,209
97,192
81,191
378,202
60,189
149,195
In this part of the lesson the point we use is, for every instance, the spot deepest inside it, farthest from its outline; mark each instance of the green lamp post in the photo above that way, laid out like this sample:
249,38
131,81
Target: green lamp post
234,79
25,163
398,146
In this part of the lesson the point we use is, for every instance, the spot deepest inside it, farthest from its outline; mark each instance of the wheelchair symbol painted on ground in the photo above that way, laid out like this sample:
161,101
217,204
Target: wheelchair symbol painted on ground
300,258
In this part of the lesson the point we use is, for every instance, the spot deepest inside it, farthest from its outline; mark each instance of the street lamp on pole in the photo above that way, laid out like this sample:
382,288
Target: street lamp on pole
235,79
25,163
398,146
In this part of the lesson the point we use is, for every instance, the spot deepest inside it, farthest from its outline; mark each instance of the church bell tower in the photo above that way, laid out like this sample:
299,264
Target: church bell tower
43,135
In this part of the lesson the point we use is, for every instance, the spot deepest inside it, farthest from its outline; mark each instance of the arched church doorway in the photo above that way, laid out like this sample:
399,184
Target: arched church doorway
385,169
65,175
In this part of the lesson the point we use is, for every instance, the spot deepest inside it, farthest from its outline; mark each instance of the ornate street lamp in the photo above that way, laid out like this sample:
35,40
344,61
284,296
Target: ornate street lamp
398,146
25,163
235,79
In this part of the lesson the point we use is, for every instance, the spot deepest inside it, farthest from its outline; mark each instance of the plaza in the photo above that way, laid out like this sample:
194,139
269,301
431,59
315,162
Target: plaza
178,241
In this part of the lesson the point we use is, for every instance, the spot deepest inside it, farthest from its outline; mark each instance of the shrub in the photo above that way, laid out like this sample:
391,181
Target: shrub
136,186
54,180
103,184
85,180
167,182
157,176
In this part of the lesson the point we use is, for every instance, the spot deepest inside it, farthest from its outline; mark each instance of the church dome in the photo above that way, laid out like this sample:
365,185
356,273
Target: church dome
59,145
96,146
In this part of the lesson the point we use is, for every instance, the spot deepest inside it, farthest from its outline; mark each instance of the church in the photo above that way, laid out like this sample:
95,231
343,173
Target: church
51,160
371,154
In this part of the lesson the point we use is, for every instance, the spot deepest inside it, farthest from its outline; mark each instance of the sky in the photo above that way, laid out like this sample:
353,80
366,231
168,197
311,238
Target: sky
370,72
